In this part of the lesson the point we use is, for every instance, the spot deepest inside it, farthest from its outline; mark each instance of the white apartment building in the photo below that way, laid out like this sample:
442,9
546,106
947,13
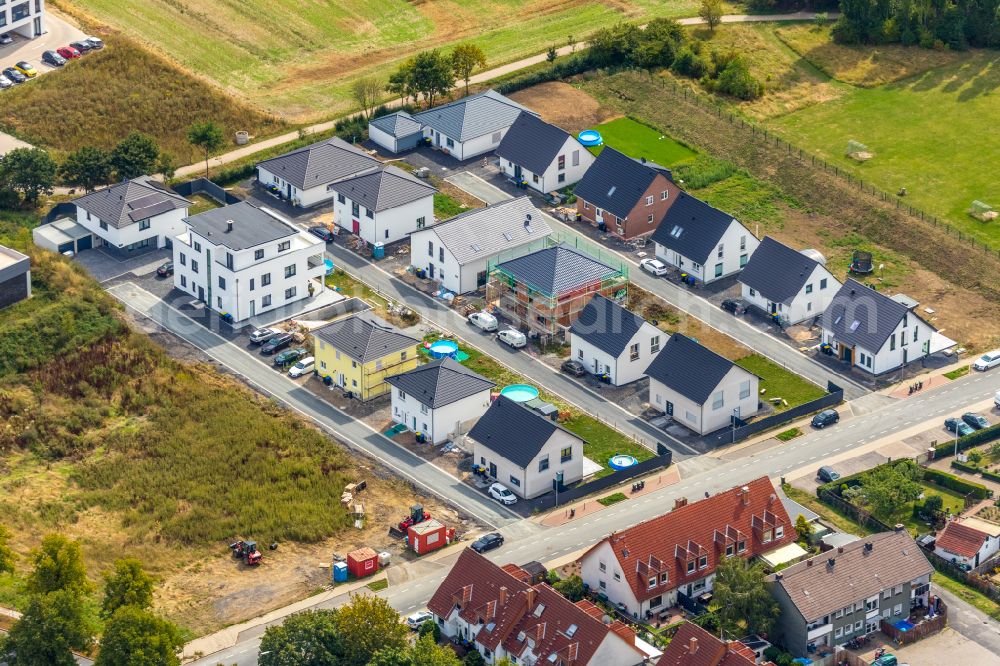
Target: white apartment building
26,18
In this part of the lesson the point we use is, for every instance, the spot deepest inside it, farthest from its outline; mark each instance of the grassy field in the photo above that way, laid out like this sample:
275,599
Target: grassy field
641,141
780,383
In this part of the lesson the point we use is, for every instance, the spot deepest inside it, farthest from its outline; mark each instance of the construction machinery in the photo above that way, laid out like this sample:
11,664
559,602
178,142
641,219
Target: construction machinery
246,551
417,515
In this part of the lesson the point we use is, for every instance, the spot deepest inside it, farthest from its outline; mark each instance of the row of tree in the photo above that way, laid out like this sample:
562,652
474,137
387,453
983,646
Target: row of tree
59,619
928,23
427,75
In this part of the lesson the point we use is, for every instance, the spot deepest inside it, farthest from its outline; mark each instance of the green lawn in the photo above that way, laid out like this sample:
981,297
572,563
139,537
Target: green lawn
201,204
780,383
953,503
446,206
637,140
957,372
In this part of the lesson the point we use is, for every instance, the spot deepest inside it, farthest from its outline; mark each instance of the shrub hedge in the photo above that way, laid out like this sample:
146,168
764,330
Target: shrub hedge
952,482
965,467
973,439
990,476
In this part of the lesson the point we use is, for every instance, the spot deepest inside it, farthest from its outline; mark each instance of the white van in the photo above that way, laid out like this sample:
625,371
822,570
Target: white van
483,320
513,337
303,367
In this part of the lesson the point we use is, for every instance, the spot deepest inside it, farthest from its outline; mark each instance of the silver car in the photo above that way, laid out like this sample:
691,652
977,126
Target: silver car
261,335
5,82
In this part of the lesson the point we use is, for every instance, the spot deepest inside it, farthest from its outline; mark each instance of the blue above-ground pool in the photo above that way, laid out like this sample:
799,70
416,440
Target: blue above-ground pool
591,138
519,392
444,349
904,625
621,461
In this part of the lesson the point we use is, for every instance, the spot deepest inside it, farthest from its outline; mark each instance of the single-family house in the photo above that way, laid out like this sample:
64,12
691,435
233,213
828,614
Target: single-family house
396,132
613,342
700,389
243,260
359,353
646,567
504,615
132,216
693,646
457,251
383,205
305,176
781,281
545,291
876,333
525,451
841,594
542,155
470,126
968,541
625,196
440,399
702,241
15,276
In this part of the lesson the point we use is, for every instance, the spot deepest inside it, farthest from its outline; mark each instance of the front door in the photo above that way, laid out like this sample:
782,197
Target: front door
774,308
430,271
355,227
493,470
670,408
288,191
340,380
597,367
201,293
517,172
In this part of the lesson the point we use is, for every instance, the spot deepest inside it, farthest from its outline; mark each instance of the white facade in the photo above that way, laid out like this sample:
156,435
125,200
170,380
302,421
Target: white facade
910,340
737,391
299,197
463,150
442,423
990,547
567,168
387,226
26,18
628,366
536,478
729,257
383,139
811,301
427,252
156,232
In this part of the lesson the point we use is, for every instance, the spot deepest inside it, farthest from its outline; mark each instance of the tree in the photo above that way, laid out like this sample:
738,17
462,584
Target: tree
166,165
658,43
52,626
58,566
887,488
366,92
366,625
473,658
30,171
401,82
127,585
136,637
465,59
207,136
309,638
134,156
432,75
975,457
430,627
551,54
933,504
87,167
803,527
426,652
744,604
710,12
7,555
571,588
392,657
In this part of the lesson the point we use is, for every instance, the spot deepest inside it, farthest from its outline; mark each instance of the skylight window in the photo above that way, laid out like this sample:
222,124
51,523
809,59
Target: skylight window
612,190
508,236
572,630
677,231
475,248
855,324
539,610
837,320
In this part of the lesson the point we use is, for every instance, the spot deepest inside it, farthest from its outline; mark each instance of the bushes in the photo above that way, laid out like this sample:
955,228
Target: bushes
990,476
952,482
964,467
974,439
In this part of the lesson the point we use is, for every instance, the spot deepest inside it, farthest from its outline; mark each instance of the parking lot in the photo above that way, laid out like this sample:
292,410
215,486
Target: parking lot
59,32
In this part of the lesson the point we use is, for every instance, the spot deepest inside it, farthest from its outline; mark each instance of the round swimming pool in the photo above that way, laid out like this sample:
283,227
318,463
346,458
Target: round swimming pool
621,461
519,392
444,349
591,138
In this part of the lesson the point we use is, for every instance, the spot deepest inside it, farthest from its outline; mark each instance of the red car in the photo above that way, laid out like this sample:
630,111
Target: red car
68,52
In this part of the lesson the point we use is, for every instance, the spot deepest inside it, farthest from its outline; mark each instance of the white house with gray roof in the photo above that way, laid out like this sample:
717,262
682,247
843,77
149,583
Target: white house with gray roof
384,205
305,176
440,399
782,281
544,156
243,260
456,252
132,216
614,342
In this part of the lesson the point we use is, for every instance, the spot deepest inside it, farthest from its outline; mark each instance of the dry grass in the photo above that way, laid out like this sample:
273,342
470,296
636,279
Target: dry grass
565,106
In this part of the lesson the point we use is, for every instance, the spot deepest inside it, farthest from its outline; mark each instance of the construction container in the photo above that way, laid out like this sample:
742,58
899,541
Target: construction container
339,572
362,562
428,536
383,558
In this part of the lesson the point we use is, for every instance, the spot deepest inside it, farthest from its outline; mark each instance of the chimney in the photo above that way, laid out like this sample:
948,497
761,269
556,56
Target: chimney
772,498
693,645
532,593
840,549
679,502
643,159
898,527
229,226
869,547
809,563
503,595
778,576
746,495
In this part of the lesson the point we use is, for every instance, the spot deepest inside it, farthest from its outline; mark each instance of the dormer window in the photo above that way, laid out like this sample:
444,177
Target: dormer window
741,546
691,566
730,549
663,578
703,561
768,536
652,582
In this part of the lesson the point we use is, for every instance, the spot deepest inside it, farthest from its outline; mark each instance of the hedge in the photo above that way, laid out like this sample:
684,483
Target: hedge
965,467
952,482
973,439
991,476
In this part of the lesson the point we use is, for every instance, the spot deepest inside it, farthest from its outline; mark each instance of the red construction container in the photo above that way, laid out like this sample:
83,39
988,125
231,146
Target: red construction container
428,535
362,562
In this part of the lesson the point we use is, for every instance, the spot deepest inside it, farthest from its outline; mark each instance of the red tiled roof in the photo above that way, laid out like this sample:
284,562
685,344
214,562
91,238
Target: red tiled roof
700,529
517,572
693,646
961,539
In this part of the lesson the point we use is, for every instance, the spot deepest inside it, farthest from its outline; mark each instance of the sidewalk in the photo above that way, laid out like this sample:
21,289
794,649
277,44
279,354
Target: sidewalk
588,507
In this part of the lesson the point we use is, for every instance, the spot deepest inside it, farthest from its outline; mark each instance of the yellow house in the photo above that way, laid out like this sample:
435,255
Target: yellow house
359,352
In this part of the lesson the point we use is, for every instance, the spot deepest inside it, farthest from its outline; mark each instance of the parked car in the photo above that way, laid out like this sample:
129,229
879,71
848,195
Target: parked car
302,368
487,542
975,420
165,269
502,494
987,361
654,266
484,320
26,68
53,58
262,335
82,46
826,474
825,418
571,366
888,660
414,621
68,52
95,42
322,232
957,426
14,75
276,343
734,305
290,356
5,39
5,82
513,337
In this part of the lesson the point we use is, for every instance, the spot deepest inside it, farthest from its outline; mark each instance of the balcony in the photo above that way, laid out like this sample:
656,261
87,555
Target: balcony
817,629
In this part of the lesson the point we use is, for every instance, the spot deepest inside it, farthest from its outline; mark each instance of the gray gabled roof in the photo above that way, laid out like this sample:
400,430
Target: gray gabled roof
777,271
616,182
514,431
859,315
485,232
399,124
606,325
472,116
252,226
388,187
364,337
689,368
129,201
440,383
320,163
533,143
557,269
692,228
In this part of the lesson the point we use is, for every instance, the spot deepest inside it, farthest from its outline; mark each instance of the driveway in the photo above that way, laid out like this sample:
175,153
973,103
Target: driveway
103,266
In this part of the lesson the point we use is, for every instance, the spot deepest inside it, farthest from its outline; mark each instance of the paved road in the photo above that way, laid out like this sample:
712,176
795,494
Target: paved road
972,623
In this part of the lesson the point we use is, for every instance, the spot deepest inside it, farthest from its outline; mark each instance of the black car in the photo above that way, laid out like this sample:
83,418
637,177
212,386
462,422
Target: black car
82,46
165,269
322,232
826,474
573,367
825,418
276,343
487,542
734,305
14,75
53,58
975,420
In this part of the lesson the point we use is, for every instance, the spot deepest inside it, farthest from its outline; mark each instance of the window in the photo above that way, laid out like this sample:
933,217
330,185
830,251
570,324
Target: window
839,613
602,567
265,279
916,330
703,561
290,271
767,536
451,144
663,195
402,355
543,464
741,546
441,254
691,566
603,585
745,389
649,201
104,225
184,281
387,233
251,284
779,532
143,225
284,245
618,575
719,253
898,590
743,260
809,288
743,243
290,293
822,284
194,266
651,582
730,550
871,604
579,353
561,163
656,602
197,246
718,400
633,352
566,454
858,625
430,249
258,255
649,218
654,344
809,306
423,408
219,302
341,199
369,213
266,301
718,270
892,342
402,395
184,259
897,609
222,283
586,206
690,417
421,222
902,339
663,578
229,260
